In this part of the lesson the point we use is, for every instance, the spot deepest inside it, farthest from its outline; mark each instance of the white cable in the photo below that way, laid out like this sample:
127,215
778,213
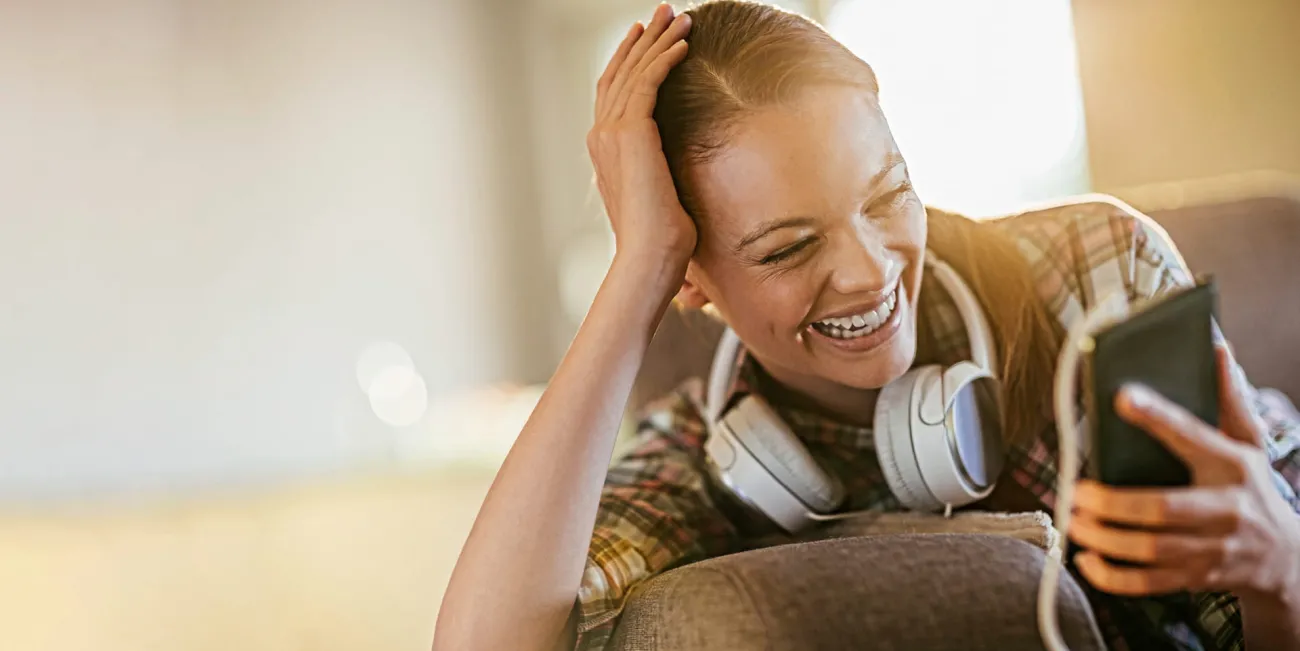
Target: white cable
1064,394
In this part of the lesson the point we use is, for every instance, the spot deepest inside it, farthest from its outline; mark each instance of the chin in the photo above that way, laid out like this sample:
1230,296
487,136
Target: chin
887,365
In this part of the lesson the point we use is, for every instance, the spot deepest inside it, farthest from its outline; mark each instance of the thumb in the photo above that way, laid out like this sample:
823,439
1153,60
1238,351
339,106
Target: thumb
1237,417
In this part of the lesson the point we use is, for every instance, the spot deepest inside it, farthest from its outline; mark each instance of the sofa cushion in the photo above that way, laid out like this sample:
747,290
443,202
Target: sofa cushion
1252,247
968,592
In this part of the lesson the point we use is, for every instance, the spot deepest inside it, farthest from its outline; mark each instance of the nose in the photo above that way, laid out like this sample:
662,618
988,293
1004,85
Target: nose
860,264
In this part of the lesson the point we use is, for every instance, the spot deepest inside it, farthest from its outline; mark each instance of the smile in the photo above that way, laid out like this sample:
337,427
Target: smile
858,325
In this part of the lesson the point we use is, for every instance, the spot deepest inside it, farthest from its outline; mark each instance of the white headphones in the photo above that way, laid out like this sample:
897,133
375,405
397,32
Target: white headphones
937,433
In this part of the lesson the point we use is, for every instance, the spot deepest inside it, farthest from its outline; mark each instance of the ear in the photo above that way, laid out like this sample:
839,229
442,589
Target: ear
691,295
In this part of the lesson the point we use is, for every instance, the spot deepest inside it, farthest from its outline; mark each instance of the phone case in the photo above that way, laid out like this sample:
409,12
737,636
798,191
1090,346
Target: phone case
1168,346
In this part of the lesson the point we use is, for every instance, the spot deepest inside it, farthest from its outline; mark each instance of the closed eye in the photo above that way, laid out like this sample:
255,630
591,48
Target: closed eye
788,252
896,198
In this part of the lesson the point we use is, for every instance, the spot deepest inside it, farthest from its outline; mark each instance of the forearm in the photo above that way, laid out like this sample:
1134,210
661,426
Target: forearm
519,572
1270,623
1271,619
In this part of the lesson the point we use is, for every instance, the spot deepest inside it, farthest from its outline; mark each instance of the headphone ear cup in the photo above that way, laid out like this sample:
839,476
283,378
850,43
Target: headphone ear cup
893,429
771,441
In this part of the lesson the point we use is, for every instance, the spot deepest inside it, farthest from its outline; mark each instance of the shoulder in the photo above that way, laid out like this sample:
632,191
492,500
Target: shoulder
1082,251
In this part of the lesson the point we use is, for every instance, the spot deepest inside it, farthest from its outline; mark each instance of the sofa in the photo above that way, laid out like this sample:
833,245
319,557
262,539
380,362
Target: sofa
905,592
953,591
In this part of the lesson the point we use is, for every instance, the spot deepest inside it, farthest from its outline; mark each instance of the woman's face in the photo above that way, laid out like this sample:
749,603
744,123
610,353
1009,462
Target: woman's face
812,241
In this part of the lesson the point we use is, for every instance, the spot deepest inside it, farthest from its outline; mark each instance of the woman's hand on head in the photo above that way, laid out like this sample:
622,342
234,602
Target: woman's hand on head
632,173
1231,530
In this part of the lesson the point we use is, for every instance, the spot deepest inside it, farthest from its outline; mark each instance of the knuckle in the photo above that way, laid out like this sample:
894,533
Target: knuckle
1234,522
1140,583
1239,502
1161,509
1222,550
646,84
1199,577
1238,469
1148,547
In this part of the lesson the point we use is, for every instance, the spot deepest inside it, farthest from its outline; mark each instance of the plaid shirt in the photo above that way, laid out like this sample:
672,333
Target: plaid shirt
658,511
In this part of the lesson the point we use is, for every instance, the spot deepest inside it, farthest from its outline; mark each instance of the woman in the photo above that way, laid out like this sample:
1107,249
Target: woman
749,168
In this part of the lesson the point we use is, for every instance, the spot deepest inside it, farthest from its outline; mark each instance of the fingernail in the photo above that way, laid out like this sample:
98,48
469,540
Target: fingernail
1138,396
1239,376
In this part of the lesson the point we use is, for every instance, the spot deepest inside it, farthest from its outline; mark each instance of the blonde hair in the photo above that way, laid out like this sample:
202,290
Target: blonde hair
747,55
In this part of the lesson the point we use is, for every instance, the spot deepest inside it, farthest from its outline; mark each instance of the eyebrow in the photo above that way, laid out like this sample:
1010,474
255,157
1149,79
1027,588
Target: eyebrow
770,226
892,161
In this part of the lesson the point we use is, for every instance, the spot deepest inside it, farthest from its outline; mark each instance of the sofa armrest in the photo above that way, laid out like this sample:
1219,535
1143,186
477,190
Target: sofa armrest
968,592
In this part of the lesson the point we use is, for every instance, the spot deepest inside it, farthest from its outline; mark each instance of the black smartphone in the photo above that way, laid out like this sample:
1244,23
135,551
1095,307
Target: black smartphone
1167,345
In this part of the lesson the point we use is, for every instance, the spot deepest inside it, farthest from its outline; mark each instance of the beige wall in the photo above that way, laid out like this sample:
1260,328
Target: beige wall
207,210
1178,89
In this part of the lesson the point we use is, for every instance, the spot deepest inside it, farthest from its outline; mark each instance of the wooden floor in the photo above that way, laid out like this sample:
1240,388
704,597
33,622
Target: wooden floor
347,565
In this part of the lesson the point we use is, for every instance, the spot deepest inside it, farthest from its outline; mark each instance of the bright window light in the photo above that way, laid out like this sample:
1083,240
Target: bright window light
983,97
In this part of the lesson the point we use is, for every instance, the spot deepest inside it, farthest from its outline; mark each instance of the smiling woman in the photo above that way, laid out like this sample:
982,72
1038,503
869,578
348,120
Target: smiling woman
746,165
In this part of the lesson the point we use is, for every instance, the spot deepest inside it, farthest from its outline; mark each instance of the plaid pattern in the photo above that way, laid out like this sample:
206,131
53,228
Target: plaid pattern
658,509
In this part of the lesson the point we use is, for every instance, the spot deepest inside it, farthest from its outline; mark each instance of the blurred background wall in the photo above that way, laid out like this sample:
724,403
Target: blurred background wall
211,209
280,280
1184,90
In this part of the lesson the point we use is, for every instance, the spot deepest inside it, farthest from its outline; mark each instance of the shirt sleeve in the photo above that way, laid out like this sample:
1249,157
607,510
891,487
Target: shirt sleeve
655,513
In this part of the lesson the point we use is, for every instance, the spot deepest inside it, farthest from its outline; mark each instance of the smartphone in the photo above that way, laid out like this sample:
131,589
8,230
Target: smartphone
1167,345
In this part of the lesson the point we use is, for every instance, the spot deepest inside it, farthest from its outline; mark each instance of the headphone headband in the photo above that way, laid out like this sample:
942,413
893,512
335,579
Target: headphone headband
978,332
722,374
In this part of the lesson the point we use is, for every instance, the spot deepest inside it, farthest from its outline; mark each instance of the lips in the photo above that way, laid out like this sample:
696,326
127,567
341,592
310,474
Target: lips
856,340
858,325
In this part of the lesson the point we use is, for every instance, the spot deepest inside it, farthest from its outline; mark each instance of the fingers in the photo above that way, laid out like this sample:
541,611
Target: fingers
640,81
1201,509
1178,429
645,91
662,18
611,68
1237,412
1137,581
1146,546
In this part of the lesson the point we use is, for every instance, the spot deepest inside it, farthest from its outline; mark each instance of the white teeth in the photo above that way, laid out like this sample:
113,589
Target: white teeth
860,325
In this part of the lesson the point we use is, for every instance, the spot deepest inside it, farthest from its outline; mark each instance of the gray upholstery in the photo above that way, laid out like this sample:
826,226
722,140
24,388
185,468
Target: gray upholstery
1252,246
969,592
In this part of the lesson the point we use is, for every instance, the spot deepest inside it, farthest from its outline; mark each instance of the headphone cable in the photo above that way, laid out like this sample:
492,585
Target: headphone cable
1064,394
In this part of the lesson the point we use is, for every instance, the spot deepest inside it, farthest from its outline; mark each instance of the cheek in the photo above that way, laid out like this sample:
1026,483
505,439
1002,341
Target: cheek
915,227
779,304
764,311
910,242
